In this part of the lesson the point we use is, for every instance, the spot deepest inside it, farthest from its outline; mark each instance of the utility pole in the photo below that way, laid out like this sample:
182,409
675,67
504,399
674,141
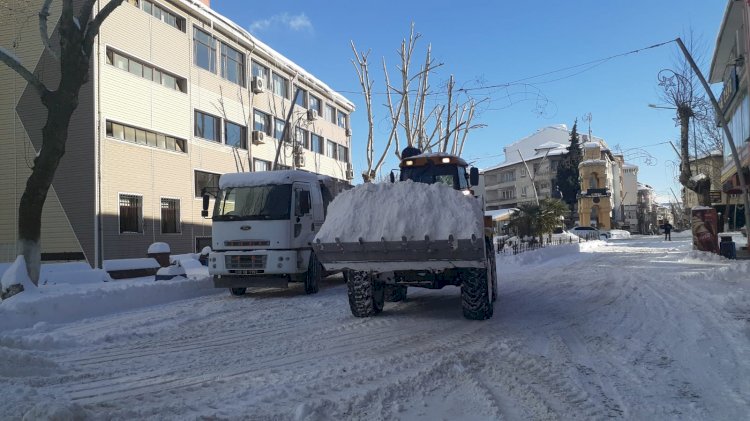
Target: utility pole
724,126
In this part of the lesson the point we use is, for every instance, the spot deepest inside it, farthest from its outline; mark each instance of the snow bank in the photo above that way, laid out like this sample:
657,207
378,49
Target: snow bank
391,210
619,234
76,302
16,274
130,264
158,248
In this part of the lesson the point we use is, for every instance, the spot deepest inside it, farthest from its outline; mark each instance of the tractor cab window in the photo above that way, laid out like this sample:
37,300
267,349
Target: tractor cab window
431,174
463,182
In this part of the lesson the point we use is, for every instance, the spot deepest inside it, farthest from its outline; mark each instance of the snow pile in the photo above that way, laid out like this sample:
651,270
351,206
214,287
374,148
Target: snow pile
698,177
16,274
158,248
392,210
130,264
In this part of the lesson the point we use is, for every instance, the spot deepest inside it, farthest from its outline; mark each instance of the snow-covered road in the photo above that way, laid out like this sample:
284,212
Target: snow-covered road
630,329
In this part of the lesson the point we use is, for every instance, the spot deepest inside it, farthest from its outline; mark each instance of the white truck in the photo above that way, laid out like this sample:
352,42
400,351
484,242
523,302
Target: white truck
263,224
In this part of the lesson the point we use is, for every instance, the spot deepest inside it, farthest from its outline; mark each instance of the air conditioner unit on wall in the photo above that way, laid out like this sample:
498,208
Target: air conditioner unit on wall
348,132
258,85
312,114
258,137
349,172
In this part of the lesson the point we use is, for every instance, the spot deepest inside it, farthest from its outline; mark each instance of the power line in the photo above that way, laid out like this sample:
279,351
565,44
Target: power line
593,64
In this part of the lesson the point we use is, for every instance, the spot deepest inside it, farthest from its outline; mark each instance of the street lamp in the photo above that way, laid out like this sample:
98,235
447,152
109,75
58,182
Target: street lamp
659,106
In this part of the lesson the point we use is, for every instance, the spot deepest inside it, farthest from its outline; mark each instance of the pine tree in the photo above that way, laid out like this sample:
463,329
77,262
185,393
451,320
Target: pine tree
567,171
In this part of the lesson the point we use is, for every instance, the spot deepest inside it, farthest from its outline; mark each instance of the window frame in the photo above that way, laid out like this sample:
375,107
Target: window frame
197,192
140,225
180,145
278,77
239,63
268,122
178,222
243,134
217,126
302,98
211,49
256,161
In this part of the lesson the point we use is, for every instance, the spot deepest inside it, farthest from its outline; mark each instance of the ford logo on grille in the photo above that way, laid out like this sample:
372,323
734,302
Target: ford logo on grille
245,227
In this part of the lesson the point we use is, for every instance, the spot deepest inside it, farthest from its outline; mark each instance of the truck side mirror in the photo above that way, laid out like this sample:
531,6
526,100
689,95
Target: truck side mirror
304,202
392,177
204,212
474,176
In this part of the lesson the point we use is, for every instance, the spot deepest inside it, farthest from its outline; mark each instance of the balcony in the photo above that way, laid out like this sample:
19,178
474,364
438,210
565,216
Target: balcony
597,193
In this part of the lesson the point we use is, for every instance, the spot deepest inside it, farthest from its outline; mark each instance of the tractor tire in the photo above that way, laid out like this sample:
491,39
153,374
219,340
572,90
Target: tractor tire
476,294
237,292
313,275
366,297
395,293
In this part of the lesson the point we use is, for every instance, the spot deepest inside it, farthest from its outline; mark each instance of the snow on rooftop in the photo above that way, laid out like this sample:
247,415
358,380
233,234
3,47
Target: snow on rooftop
278,59
263,178
391,210
550,145
698,177
592,162
591,145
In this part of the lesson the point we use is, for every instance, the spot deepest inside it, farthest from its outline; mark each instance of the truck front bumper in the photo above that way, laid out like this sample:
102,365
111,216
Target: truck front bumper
251,281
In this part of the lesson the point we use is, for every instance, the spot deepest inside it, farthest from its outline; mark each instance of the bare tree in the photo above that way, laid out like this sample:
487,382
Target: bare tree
423,122
77,33
679,88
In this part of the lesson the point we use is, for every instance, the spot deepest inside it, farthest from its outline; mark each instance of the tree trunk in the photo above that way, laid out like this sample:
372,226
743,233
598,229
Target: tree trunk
54,135
702,187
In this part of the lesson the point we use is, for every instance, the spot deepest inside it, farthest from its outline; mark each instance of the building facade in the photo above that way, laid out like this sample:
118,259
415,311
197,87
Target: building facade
177,96
629,212
596,171
729,67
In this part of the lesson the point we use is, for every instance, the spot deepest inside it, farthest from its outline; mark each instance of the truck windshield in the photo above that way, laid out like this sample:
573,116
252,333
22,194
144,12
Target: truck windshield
431,174
257,202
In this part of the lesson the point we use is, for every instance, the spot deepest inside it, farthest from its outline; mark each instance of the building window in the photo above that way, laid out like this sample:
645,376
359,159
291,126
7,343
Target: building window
170,216
261,165
262,122
144,137
536,168
204,50
261,71
160,13
207,180
146,71
343,153
331,149
315,104
330,114
507,176
341,119
235,135
232,65
280,85
507,194
131,213
278,129
316,143
207,126
300,97
524,189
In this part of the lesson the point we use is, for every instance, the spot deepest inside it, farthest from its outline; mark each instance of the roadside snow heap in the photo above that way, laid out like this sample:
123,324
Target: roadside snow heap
393,210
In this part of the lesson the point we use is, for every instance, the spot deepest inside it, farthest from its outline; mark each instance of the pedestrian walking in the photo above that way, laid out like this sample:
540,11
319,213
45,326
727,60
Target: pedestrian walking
667,231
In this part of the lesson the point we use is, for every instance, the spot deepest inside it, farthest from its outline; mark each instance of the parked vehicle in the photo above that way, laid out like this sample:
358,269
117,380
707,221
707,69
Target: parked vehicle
262,226
376,269
589,233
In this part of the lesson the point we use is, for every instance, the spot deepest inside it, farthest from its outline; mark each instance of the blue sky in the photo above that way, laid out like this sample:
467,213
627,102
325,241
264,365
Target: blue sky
504,41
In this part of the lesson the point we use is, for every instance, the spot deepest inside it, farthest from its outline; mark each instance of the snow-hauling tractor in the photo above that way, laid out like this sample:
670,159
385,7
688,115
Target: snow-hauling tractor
379,271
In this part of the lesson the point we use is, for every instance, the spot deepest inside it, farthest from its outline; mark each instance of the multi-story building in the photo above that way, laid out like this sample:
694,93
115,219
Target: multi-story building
629,212
710,165
729,66
177,96
510,184
598,181
647,223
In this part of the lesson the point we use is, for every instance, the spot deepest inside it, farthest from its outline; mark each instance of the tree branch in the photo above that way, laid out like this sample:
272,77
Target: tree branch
12,61
92,29
43,15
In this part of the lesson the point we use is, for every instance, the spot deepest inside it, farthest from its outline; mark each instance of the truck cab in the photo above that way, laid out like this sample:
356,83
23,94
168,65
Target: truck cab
262,226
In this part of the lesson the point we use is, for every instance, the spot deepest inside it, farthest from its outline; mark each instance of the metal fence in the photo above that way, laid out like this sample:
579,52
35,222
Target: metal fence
514,248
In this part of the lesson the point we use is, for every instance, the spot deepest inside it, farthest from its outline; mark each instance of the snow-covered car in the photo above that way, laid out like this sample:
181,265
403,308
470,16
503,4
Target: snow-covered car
562,235
619,234
589,233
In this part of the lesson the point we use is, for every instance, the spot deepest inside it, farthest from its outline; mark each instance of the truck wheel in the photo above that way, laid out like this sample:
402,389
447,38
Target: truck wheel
237,291
313,275
366,297
476,294
395,293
